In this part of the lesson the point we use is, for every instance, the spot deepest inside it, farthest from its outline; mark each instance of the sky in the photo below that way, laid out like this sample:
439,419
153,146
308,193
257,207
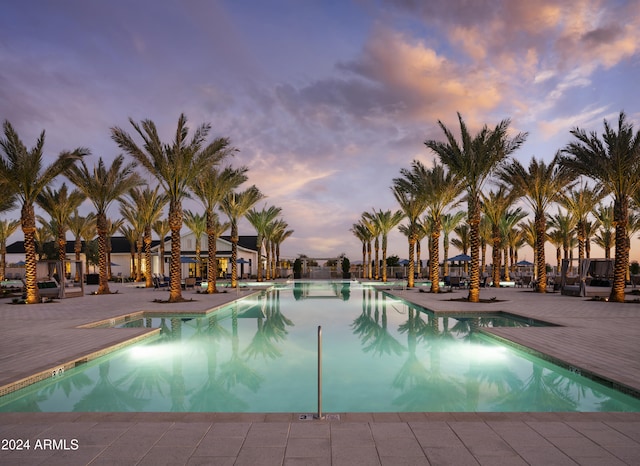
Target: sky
325,100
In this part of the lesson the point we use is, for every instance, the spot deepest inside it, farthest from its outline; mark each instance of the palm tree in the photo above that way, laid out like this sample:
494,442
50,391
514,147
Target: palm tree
495,206
565,224
463,240
148,204
529,235
449,222
473,162
22,172
235,206
386,221
605,238
210,187
162,229
60,204
579,203
81,227
131,235
112,228
260,220
175,166
273,230
281,235
7,228
103,186
129,213
412,205
197,223
370,221
613,161
361,232
507,225
557,237
540,185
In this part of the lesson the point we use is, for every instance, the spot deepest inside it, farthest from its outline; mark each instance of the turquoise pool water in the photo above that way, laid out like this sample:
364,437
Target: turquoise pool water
380,354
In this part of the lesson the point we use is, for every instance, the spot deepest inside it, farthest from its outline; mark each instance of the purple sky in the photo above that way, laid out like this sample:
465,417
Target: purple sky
325,100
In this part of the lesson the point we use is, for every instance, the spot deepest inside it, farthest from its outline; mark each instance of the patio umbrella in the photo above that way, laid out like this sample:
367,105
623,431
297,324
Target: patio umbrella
524,263
187,260
242,261
459,258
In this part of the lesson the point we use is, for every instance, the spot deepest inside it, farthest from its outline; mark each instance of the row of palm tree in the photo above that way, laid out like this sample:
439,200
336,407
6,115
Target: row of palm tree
188,166
469,164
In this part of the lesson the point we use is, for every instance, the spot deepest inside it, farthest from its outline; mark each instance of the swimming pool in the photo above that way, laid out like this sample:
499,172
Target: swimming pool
380,354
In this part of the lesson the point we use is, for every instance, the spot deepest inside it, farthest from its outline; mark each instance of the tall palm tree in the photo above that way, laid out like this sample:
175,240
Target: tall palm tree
103,186
22,172
60,204
197,223
449,222
370,221
81,227
7,228
385,221
540,185
613,161
131,235
274,229
161,228
260,220
473,161
579,203
148,204
175,166
235,206
210,187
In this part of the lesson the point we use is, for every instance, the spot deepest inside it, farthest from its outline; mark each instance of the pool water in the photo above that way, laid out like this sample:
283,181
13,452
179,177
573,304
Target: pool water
380,354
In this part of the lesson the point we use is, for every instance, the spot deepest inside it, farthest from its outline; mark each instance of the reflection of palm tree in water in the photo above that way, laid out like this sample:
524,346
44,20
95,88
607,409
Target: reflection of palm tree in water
541,392
214,395
108,397
373,331
177,386
270,330
236,371
424,389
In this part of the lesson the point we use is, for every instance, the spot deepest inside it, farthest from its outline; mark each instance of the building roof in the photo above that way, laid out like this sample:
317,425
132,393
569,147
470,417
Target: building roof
120,245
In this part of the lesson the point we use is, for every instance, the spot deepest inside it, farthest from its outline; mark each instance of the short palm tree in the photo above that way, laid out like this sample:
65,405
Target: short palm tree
235,206
60,204
81,227
412,206
463,240
277,240
495,205
211,187
260,220
614,162
175,166
7,228
361,232
103,186
22,172
129,213
148,204
197,223
386,221
565,224
449,222
507,225
540,185
162,229
605,237
473,160
579,203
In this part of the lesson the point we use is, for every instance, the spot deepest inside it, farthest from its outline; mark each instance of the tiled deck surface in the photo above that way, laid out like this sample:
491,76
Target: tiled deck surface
602,338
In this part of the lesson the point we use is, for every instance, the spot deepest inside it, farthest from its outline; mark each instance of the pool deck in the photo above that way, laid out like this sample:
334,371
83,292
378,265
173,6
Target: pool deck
594,337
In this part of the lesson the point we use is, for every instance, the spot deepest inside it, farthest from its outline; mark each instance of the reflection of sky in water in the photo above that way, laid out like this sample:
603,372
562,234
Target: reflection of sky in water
373,360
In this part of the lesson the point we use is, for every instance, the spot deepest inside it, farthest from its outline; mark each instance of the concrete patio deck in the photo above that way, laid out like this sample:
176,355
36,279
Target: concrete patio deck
595,337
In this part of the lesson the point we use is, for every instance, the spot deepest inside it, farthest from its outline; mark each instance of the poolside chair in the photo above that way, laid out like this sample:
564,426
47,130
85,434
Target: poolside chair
190,282
454,282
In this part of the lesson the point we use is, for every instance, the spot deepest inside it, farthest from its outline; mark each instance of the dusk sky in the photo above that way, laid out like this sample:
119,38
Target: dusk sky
325,100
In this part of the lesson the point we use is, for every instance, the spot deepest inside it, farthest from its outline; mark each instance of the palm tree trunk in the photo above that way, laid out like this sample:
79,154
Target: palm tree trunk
541,232
474,240
234,255
259,245
434,260
364,260
495,255
147,256
412,246
212,265
418,260
268,259
507,277
77,248
175,269
62,244
621,216
377,266
384,260
28,219
101,226
370,274
139,260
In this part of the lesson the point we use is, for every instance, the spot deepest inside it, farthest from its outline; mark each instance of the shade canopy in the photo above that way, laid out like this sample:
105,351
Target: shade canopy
187,260
524,263
460,258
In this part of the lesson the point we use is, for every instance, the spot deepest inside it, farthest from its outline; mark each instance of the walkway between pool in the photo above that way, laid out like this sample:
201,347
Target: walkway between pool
594,336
